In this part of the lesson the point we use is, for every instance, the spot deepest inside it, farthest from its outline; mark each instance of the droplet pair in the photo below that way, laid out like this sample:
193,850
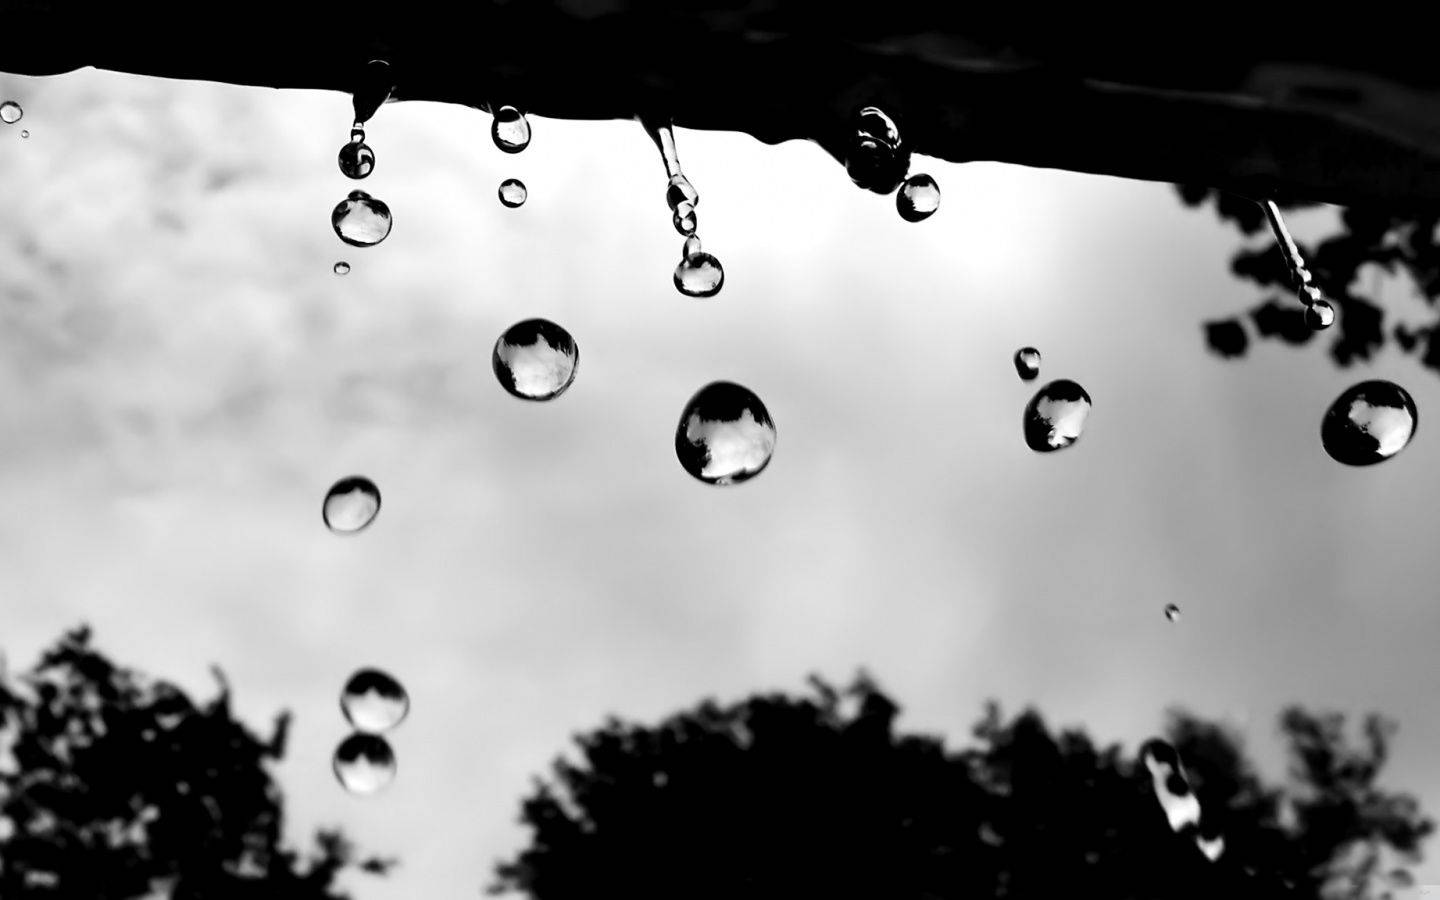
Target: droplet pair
510,131
373,702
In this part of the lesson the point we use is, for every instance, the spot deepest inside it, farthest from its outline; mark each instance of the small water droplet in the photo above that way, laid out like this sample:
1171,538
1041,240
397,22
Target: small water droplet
24,133
1172,612
1369,423
373,702
1055,416
699,275
876,159
356,160
1319,315
364,763
511,130
357,133
918,198
513,192
10,112
725,435
691,247
1027,363
342,268
684,219
360,220
535,359
680,190
351,504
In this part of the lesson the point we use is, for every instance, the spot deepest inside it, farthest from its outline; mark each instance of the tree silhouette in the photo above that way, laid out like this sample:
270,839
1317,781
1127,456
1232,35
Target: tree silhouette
115,786
819,795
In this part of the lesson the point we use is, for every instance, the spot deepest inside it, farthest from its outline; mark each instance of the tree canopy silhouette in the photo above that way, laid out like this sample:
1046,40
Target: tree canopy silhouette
820,796
116,786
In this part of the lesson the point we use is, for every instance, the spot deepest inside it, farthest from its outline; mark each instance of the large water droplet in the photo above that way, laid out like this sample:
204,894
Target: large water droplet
373,86
699,275
360,220
356,159
1027,363
351,504
1369,423
918,198
1055,416
1172,612
684,219
373,702
341,268
725,435
1319,315
364,763
513,192
535,359
680,190
511,130
10,112
876,158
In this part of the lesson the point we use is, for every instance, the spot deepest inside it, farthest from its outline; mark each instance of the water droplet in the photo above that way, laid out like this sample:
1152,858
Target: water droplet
684,219
918,198
373,702
692,246
1027,363
356,160
876,159
342,268
679,191
360,220
1172,612
373,87
1319,315
1172,789
24,133
357,133
351,504
535,359
513,193
10,112
699,275
364,763
511,130
725,435
872,121
1369,423
1055,416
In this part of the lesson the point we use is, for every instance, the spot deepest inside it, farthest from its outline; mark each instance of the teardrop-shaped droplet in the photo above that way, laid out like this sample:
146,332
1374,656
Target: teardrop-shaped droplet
918,198
684,219
1319,315
877,160
535,359
10,112
356,160
364,763
373,702
1369,423
511,130
699,275
1172,788
679,191
1172,612
351,504
1027,363
342,268
360,220
374,85
1055,416
513,192
691,247
725,435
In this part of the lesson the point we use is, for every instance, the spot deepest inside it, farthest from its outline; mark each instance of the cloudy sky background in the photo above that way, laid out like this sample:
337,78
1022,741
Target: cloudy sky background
182,377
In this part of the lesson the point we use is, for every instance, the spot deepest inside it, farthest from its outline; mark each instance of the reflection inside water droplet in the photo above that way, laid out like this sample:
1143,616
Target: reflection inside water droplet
1027,363
535,359
1319,315
513,192
356,160
1172,612
918,198
699,275
373,702
10,112
510,129
1055,416
360,220
341,268
351,504
364,763
725,435
1369,423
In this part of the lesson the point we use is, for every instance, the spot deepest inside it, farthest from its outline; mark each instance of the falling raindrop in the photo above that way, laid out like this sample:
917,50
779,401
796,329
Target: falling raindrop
511,130
725,435
918,198
877,159
1369,423
364,763
356,159
1319,315
373,702
684,219
535,359
342,268
1055,416
699,275
692,246
24,133
374,85
351,504
1172,612
360,220
513,192
10,112
1027,363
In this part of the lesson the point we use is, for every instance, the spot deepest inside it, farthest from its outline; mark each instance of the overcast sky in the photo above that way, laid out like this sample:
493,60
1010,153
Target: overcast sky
183,377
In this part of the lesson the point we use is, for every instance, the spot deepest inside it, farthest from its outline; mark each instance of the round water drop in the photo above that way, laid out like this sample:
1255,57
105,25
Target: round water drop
10,112
373,701
1172,612
684,218
692,246
535,359
1055,416
360,220
918,198
876,160
699,275
356,159
513,193
364,763
725,435
510,130
1027,363
679,191
1369,423
341,268
1319,315
24,133
351,504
